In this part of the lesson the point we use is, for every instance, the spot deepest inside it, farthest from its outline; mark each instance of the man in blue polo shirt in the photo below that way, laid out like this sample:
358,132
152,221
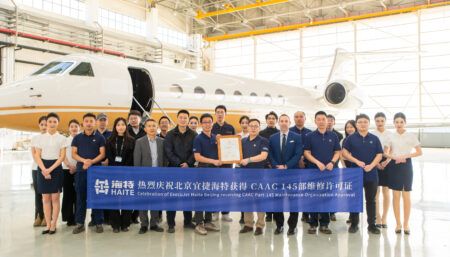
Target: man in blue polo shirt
322,150
255,150
206,154
364,150
88,149
285,151
221,127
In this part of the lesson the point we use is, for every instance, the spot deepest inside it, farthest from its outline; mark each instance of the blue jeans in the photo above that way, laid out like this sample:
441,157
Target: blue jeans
81,189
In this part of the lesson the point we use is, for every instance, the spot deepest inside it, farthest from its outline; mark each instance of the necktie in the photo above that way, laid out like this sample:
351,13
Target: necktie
283,148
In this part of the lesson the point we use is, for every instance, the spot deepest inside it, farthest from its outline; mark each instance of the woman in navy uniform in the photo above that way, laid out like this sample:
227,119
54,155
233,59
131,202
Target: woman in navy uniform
400,169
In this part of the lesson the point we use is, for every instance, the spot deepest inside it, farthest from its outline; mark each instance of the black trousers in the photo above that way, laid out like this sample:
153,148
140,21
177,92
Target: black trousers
171,218
120,218
69,200
314,219
370,192
292,221
38,206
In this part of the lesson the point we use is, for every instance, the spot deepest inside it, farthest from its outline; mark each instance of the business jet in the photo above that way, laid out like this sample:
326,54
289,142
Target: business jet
75,84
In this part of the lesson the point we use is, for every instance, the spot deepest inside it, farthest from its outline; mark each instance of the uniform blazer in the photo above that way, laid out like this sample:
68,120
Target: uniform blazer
292,153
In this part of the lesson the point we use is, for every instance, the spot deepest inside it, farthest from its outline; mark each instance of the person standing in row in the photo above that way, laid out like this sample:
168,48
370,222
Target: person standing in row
193,123
178,146
401,170
50,153
299,128
88,149
206,154
286,149
271,121
322,150
364,150
136,131
69,166
119,152
149,152
164,126
383,174
222,128
255,150
243,122
39,219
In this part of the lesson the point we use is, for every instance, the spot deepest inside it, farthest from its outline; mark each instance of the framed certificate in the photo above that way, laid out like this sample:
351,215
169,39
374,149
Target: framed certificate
230,149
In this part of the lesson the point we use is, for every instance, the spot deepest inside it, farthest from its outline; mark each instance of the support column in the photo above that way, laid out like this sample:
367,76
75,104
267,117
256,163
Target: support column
7,64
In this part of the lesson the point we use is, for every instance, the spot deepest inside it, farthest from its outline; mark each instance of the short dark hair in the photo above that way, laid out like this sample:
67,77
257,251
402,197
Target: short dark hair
400,115
362,116
320,113
252,120
285,115
193,118
331,116
245,117
205,116
273,114
53,115
162,118
42,118
221,106
134,112
89,115
74,121
380,115
148,120
183,111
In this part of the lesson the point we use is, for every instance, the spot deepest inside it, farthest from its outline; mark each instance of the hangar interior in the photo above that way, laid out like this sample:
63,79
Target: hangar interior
399,56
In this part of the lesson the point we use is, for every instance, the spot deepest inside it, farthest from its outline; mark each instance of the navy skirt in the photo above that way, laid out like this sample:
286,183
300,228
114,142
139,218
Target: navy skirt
383,175
53,185
400,175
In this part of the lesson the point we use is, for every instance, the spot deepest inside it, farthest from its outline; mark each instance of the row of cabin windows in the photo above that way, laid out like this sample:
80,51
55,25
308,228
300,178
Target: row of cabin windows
200,93
82,69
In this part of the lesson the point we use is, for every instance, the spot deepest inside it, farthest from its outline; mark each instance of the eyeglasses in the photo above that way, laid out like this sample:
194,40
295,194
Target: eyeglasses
207,122
253,127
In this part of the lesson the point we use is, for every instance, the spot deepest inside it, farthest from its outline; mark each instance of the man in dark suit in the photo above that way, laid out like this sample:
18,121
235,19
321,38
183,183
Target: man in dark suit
285,151
149,152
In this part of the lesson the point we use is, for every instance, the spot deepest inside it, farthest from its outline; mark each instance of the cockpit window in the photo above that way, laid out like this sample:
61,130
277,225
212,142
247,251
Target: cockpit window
54,68
83,69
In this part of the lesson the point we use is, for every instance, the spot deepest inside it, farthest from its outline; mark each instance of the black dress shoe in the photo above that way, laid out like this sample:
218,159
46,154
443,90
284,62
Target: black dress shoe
46,231
171,230
325,230
246,229
278,230
90,224
373,229
143,230
125,229
116,230
291,231
353,229
258,231
157,228
52,232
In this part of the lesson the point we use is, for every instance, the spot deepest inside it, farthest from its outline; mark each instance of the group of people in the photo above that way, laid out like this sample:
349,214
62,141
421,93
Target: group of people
61,165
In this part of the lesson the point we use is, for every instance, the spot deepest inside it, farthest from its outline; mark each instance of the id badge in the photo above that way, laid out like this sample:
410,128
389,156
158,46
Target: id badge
118,159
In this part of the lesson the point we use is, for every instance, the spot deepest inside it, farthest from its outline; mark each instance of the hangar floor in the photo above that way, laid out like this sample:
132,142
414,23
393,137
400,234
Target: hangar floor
430,226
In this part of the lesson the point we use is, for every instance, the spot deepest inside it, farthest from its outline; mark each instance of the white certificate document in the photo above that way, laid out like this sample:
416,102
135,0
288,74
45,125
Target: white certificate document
230,149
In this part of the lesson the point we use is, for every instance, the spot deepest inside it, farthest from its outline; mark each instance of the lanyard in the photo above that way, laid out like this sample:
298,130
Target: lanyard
121,147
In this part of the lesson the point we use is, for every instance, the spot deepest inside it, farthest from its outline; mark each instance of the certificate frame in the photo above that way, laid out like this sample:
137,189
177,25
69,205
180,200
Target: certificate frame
232,140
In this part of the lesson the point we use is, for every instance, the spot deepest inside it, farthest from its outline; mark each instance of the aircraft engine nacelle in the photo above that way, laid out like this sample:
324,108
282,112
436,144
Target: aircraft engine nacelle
343,94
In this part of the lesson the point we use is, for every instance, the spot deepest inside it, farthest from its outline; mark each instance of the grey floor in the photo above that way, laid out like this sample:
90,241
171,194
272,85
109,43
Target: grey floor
430,226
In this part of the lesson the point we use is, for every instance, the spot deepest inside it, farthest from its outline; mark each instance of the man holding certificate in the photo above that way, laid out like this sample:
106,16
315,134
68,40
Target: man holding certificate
286,149
255,150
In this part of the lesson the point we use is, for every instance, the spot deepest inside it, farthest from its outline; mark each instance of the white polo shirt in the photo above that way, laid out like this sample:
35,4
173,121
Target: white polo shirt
385,137
69,140
50,145
402,144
